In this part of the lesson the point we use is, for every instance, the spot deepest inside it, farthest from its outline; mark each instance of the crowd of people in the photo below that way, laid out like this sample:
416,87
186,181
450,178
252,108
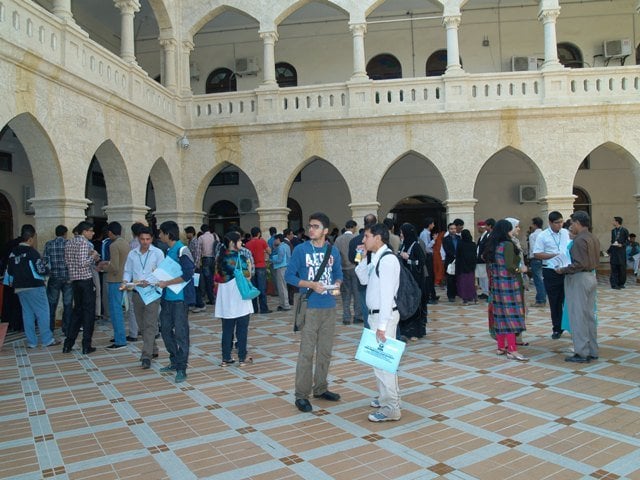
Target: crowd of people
120,279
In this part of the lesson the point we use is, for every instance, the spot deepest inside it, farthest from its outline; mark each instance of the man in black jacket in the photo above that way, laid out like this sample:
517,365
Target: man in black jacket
450,245
26,270
618,254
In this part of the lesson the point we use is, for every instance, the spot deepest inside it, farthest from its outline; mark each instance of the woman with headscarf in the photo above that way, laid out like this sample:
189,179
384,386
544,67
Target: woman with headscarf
413,257
515,238
503,257
466,258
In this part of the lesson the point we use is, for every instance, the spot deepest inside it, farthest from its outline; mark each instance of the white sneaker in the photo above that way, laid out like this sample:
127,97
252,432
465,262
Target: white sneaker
375,403
384,415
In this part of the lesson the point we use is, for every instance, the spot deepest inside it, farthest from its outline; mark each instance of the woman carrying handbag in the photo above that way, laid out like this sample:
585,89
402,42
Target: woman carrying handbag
231,308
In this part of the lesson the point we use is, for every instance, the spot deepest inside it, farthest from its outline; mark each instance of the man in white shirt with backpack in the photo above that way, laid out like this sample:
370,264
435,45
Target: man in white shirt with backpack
382,278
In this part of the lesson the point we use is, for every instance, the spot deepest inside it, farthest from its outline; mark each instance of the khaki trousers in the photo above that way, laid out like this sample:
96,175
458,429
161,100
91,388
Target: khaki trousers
316,338
147,319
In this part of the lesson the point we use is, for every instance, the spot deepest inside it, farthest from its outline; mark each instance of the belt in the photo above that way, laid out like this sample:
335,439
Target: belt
373,312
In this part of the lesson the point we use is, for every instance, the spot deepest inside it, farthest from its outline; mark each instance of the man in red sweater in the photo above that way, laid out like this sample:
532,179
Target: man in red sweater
259,248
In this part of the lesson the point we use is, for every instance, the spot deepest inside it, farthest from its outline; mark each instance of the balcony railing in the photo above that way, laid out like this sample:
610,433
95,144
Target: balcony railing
31,34
38,33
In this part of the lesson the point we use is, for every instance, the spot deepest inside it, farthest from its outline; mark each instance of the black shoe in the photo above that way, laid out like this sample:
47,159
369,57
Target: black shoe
266,311
154,355
623,286
556,335
358,320
113,340
591,357
615,288
113,346
303,405
132,339
146,364
331,396
346,322
451,300
66,349
577,359
88,350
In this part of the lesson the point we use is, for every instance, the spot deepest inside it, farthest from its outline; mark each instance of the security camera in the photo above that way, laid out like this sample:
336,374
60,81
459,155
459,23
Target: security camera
184,142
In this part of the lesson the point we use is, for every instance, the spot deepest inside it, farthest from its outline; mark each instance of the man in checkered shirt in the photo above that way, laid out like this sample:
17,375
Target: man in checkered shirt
58,279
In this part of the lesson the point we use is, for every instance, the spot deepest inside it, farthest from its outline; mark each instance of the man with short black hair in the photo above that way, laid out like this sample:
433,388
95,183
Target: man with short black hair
174,321
207,242
26,269
382,277
114,268
259,248
550,243
318,331
80,258
350,286
618,254
58,279
536,264
580,286
141,262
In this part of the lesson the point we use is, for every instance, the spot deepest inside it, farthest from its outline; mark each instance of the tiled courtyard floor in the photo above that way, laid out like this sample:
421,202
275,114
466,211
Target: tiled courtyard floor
467,413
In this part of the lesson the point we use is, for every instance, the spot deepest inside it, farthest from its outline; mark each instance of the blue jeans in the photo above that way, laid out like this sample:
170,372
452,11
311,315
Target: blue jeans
207,273
54,287
241,326
115,309
259,280
174,327
538,281
35,307
362,290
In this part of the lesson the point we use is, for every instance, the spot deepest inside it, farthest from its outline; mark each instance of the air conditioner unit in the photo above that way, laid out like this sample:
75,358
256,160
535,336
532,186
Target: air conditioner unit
617,48
247,205
247,66
528,193
523,64
27,195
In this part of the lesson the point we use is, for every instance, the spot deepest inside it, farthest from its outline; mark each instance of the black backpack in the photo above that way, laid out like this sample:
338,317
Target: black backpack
409,294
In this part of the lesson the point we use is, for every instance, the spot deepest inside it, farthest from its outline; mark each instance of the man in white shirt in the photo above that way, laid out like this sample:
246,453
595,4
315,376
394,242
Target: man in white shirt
536,264
142,261
382,288
550,243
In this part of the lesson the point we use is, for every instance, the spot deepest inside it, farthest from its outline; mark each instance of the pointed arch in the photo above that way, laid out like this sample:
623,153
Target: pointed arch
163,182
213,9
296,176
43,159
115,172
298,4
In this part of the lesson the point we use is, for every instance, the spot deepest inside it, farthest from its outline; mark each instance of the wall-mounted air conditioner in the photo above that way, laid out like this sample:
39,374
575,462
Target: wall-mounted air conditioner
523,64
247,205
617,48
27,194
528,193
247,66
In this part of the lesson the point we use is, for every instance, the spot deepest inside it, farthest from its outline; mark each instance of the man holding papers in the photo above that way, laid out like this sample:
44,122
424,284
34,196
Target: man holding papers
138,269
382,288
177,295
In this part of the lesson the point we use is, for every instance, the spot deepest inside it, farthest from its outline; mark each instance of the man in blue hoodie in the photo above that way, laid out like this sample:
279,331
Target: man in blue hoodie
317,333
174,307
27,270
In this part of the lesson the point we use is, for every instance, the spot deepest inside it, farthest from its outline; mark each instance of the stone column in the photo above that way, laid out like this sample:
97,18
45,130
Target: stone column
51,212
560,203
548,18
359,67
187,47
169,73
126,215
463,209
127,8
62,10
273,217
359,210
451,23
269,68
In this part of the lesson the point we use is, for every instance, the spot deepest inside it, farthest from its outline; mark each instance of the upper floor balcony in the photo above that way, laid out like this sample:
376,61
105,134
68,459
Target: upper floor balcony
58,50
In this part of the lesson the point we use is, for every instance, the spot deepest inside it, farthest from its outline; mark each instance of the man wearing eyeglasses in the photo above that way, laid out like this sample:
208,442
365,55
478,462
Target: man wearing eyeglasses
318,331
550,243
